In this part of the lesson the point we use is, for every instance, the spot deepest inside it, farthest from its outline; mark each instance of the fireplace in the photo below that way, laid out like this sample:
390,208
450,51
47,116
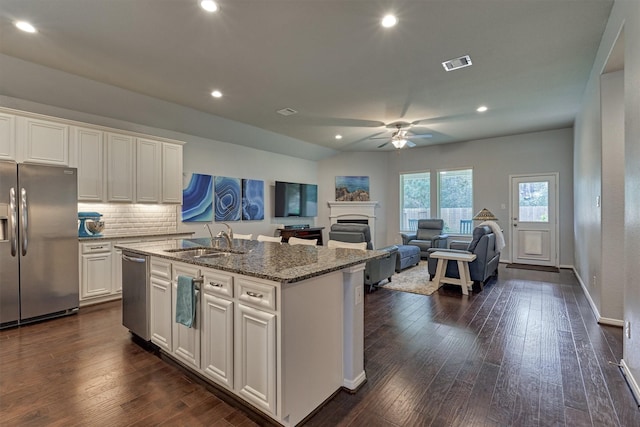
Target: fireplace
355,212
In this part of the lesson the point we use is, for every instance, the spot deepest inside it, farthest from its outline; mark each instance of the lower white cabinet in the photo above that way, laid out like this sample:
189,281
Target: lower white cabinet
186,341
95,270
255,356
160,319
217,339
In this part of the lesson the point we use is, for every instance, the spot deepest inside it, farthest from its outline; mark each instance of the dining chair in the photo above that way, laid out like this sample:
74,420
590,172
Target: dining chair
263,238
299,241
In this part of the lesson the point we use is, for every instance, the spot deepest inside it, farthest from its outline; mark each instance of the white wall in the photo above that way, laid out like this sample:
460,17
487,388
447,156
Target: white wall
588,174
610,285
492,160
222,159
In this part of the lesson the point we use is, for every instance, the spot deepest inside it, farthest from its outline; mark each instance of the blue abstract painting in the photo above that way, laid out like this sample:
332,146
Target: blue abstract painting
197,199
228,198
252,200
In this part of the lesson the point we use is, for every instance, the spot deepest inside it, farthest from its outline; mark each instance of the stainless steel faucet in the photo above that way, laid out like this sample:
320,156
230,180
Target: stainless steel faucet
228,235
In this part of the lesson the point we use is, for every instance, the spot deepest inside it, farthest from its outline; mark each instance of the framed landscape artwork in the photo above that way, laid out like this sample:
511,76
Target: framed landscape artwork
352,188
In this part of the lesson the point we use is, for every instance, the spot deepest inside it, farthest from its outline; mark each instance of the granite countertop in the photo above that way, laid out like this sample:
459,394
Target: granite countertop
135,235
279,262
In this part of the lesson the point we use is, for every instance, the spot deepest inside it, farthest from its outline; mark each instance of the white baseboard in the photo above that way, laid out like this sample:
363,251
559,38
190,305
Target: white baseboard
356,382
633,384
601,320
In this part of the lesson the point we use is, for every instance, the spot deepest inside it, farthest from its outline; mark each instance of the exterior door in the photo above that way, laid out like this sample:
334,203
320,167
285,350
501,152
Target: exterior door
534,219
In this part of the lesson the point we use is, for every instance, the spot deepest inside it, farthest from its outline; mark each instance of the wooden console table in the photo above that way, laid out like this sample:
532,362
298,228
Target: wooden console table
463,269
302,233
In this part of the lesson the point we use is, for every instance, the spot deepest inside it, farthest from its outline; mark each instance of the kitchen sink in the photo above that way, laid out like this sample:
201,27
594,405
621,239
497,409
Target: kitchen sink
201,252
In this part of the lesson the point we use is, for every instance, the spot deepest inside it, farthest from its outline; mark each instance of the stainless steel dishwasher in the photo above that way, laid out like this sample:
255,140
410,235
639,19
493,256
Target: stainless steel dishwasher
135,294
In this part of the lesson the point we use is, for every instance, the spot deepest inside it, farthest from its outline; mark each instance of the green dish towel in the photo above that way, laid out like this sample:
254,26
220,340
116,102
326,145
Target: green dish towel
186,301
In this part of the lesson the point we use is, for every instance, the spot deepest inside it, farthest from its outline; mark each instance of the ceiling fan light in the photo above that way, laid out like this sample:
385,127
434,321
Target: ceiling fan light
399,143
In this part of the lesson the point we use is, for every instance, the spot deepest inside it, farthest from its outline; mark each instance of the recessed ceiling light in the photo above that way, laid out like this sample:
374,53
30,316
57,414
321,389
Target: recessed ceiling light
216,94
26,27
482,109
209,5
389,21
338,136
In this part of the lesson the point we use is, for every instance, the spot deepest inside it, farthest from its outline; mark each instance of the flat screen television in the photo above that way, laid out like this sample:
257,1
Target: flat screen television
295,199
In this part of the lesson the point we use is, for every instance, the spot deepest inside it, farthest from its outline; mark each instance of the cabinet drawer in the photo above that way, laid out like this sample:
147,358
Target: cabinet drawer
89,248
256,294
160,268
218,283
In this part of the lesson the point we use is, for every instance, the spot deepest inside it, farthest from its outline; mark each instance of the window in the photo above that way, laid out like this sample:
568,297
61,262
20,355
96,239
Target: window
533,203
455,200
415,199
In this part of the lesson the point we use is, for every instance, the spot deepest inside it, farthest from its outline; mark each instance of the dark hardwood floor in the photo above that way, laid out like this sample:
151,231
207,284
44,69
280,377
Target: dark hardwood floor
526,351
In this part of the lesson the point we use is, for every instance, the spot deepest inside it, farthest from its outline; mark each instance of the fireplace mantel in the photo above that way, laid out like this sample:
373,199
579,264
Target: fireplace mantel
355,210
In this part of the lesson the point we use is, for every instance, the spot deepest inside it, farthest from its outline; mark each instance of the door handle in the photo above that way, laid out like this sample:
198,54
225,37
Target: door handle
13,228
133,259
24,223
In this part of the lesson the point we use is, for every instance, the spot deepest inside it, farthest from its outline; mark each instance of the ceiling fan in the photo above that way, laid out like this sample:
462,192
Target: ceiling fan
401,137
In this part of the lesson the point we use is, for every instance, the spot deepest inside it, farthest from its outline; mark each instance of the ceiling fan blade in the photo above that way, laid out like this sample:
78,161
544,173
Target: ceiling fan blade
424,135
382,145
380,137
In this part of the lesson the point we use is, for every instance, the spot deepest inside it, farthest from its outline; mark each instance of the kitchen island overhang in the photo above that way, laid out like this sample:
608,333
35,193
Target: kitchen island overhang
317,319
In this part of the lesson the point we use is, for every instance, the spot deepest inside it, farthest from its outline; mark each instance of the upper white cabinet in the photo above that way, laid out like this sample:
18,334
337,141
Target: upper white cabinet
171,173
148,170
120,167
42,141
7,137
90,158
113,165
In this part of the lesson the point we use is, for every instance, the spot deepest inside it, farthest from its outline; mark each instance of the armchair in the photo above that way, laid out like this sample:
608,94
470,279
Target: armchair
483,245
428,235
375,270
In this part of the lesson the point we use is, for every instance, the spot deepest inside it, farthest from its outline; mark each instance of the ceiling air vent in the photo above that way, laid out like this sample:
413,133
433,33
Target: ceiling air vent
454,64
287,111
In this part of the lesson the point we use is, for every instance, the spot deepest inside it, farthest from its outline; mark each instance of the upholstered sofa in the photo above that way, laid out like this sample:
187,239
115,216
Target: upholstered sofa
428,235
375,270
485,266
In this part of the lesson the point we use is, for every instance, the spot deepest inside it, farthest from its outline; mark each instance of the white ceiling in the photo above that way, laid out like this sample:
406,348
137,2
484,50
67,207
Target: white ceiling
330,60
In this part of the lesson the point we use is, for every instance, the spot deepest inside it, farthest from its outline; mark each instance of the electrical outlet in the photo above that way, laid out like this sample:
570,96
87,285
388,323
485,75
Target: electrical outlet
627,329
358,295
595,280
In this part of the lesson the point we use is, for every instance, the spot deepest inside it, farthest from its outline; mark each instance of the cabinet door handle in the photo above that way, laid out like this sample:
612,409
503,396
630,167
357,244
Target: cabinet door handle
217,285
254,294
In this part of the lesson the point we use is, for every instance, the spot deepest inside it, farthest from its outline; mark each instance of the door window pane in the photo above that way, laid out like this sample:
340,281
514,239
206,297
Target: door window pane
415,199
533,201
455,200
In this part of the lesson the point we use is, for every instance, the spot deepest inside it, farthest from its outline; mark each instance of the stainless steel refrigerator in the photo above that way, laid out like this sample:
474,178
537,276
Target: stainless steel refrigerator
38,242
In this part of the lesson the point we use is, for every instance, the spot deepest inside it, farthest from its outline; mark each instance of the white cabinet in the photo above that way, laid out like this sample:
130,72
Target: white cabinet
160,316
217,327
186,341
171,173
148,170
42,141
120,168
255,342
7,137
95,270
90,159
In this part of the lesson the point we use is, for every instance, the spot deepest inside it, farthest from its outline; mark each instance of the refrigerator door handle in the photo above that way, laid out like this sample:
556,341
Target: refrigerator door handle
24,229
13,226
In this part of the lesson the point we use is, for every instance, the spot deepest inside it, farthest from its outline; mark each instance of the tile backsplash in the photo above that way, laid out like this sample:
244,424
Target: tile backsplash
127,219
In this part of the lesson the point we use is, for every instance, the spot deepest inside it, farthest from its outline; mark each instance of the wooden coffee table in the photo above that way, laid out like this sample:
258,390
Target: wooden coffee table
463,261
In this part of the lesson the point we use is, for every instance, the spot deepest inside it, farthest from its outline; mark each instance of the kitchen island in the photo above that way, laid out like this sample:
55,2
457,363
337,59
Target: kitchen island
278,326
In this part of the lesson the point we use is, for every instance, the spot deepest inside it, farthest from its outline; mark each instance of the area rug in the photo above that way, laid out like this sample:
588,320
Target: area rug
414,280
534,267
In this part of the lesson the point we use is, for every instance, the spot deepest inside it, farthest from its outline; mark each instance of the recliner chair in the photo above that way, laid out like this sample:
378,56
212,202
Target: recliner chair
485,266
428,235
375,270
